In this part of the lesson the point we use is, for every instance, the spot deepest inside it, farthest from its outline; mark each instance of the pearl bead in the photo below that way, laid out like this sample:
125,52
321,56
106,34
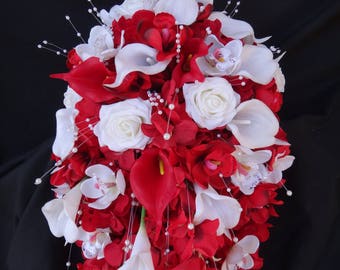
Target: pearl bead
191,226
38,181
166,136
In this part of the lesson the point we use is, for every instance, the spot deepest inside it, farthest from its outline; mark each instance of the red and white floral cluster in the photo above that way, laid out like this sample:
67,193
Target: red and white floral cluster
169,149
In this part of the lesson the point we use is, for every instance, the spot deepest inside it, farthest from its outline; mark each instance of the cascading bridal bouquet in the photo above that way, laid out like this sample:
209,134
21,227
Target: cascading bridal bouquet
169,153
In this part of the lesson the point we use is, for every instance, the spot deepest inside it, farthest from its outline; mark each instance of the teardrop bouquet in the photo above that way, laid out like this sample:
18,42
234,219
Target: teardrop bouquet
169,153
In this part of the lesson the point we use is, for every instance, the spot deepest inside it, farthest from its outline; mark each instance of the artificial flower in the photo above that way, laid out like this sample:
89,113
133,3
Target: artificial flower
119,127
212,103
66,132
61,215
254,124
71,98
136,57
211,205
95,242
100,44
103,185
239,257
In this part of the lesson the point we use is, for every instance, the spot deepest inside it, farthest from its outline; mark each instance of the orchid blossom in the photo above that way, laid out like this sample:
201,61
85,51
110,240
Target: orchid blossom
104,185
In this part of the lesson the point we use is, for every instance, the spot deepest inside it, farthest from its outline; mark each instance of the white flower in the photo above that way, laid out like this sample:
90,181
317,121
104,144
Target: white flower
211,205
95,242
126,9
253,62
71,98
280,80
185,12
212,103
66,132
120,124
100,44
238,257
254,124
221,59
250,171
140,258
280,164
136,57
61,214
236,29
103,185
61,190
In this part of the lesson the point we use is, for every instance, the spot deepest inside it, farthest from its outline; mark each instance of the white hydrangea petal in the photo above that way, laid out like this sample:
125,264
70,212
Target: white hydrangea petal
136,57
65,135
90,189
254,124
210,205
257,64
185,12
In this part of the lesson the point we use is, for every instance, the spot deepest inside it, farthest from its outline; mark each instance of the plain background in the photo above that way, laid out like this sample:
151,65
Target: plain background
305,237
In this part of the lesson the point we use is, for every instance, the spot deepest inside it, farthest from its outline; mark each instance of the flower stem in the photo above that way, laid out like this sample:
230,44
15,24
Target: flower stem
142,217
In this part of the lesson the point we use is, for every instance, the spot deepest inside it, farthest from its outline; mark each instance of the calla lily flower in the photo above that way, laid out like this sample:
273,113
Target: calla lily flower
185,12
66,130
210,205
61,215
140,258
239,257
103,185
137,57
236,29
254,124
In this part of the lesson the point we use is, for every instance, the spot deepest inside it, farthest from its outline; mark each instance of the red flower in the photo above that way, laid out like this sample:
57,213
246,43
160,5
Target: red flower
153,182
207,161
187,70
269,95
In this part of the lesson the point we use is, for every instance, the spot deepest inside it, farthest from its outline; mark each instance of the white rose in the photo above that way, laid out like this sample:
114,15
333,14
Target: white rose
211,104
100,44
120,124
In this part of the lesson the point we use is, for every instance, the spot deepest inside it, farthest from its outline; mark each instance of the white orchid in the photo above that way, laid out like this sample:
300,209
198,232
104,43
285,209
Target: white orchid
253,62
280,164
185,12
94,243
61,214
238,257
251,170
254,125
66,132
61,190
136,57
104,185
211,205
100,44
140,258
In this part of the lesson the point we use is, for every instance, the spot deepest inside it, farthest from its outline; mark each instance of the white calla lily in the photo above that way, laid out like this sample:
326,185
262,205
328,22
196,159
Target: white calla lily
211,205
140,258
254,124
239,257
66,130
61,214
104,185
185,12
257,64
136,57
236,29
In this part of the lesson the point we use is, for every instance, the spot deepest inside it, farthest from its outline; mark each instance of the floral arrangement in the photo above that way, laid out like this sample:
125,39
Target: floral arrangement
169,153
